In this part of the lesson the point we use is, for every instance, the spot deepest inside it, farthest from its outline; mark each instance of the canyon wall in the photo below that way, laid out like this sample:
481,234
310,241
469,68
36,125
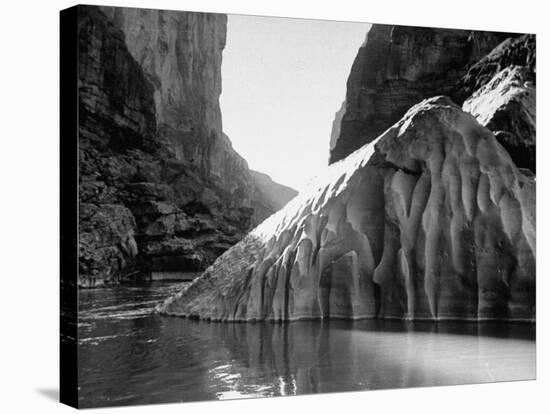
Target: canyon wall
397,67
431,220
160,187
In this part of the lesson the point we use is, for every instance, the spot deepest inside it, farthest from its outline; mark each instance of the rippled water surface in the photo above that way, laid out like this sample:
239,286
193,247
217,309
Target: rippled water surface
128,355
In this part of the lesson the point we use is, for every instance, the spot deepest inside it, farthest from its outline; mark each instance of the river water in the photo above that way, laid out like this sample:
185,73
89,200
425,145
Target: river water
129,355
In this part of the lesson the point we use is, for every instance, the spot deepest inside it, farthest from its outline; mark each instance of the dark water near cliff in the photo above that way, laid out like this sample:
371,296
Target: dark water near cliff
130,356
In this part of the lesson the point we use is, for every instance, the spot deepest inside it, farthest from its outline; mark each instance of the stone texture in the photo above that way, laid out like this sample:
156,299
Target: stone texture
116,113
181,55
500,91
507,106
106,243
514,51
431,220
154,161
397,67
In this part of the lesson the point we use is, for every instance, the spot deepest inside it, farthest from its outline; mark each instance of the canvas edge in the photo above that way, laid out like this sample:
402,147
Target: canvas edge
68,147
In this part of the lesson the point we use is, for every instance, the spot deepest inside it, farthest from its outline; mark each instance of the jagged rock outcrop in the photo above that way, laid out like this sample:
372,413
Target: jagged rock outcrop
507,106
500,91
431,220
397,67
514,51
161,188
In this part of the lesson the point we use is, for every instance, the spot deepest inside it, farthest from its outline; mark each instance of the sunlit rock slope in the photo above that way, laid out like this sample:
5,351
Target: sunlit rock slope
431,220
507,106
500,90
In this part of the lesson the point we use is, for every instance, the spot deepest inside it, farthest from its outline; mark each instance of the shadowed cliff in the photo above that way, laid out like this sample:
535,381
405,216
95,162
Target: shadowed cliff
160,187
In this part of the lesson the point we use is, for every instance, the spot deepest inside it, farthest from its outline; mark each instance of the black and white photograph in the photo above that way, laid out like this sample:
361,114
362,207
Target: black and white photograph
256,205
394,248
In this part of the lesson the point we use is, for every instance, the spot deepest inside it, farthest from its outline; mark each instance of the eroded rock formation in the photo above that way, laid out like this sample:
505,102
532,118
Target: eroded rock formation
431,220
161,188
397,67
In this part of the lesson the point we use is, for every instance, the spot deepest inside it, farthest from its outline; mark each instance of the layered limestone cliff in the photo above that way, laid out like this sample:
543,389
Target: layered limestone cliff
161,188
397,67
431,220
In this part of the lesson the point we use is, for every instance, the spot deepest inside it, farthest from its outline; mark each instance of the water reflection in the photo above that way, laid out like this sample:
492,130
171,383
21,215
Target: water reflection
310,357
135,357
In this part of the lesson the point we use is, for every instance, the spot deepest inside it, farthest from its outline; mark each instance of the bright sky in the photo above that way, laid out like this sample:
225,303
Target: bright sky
283,79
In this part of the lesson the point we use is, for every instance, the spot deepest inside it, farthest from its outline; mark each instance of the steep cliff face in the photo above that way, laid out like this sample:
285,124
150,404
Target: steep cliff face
181,55
116,122
431,220
161,188
397,67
